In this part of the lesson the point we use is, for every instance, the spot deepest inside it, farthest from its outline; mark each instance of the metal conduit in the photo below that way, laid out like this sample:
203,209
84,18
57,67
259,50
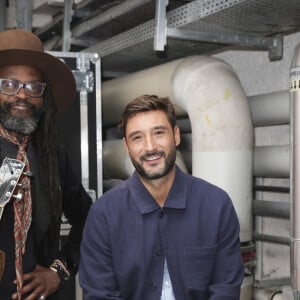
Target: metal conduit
274,209
269,161
271,238
295,170
272,161
264,116
108,15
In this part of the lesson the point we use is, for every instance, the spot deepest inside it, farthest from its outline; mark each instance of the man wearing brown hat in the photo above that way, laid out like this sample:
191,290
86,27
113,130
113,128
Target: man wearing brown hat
37,184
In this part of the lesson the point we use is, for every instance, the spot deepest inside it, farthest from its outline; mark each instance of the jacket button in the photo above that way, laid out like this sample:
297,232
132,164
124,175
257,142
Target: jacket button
158,252
153,286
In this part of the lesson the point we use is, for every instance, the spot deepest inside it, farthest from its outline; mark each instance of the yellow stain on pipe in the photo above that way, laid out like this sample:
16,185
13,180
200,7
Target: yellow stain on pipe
208,120
227,94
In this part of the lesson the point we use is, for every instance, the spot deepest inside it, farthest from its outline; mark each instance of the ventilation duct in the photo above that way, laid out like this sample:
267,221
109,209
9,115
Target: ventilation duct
222,131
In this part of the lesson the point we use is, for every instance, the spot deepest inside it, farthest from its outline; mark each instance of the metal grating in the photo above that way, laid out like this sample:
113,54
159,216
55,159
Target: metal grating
122,31
133,49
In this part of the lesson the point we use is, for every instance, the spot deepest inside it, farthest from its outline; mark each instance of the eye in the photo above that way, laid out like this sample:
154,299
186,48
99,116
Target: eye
35,88
10,84
136,138
159,132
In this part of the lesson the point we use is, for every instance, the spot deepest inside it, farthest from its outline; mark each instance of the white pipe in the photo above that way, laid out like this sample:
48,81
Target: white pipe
222,131
116,93
269,161
266,109
270,109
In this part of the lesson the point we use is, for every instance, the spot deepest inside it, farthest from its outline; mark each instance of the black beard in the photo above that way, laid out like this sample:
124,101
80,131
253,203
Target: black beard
19,124
169,164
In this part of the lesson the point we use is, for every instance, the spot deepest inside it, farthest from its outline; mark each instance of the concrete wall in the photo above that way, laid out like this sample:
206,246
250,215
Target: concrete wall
257,74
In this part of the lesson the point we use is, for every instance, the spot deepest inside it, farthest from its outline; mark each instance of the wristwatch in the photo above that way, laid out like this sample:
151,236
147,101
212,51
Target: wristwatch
61,270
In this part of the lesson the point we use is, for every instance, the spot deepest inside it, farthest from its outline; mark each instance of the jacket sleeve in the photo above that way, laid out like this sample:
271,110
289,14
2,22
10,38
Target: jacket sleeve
229,270
96,272
75,206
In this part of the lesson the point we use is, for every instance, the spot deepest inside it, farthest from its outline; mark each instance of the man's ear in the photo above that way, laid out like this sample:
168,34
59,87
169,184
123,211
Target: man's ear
177,135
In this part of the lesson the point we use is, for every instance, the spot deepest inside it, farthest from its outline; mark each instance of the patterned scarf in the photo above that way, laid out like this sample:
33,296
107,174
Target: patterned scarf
22,208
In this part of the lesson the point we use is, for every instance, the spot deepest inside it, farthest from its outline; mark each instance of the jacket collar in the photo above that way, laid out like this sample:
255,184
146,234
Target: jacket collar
146,203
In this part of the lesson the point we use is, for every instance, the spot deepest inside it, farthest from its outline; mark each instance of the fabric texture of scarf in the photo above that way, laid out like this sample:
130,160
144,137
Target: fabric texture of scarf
23,207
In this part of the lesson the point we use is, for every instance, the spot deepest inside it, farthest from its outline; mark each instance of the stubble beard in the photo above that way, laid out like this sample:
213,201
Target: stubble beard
20,124
169,164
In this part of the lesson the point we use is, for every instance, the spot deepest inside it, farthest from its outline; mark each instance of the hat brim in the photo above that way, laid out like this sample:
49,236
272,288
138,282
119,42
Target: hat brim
55,72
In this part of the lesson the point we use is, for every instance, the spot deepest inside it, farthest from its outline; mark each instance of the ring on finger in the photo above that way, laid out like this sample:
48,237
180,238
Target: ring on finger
42,297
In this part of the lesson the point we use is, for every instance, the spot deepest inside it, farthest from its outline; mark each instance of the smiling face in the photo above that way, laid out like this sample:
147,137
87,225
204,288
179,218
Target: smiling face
20,112
151,144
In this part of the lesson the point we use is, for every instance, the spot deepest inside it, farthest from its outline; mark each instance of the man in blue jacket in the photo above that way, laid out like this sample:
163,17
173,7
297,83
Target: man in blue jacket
161,234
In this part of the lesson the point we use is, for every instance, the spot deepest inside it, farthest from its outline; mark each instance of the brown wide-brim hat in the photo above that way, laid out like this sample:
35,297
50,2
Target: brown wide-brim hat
21,47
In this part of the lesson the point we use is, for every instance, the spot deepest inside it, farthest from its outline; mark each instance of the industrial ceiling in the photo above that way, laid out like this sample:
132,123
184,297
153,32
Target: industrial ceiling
131,35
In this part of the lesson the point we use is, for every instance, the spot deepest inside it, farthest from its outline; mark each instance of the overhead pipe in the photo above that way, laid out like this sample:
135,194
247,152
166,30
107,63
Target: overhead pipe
295,170
106,16
266,110
269,161
116,93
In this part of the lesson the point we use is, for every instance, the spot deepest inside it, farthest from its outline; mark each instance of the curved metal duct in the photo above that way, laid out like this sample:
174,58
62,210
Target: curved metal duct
208,90
222,132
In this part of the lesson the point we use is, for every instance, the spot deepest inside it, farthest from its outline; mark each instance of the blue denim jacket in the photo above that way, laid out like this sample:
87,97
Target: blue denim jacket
127,238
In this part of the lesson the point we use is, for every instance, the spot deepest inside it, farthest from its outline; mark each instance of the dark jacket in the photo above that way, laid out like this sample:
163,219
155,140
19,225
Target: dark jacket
128,237
40,248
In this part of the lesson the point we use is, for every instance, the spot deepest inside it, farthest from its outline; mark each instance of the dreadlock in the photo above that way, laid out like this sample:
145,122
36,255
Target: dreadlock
45,138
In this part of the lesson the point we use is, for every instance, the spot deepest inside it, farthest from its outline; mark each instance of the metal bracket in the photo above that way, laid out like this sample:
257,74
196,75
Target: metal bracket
273,44
160,34
83,76
84,81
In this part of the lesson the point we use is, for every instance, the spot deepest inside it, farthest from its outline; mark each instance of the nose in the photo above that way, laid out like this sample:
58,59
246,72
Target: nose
149,143
21,93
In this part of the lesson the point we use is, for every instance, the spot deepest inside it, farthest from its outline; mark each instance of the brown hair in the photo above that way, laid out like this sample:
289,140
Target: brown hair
146,103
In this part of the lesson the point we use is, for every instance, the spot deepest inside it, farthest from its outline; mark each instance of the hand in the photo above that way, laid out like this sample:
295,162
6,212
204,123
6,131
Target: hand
42,281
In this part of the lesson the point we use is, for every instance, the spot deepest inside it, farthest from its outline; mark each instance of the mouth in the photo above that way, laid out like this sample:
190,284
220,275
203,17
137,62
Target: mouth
19,106
152,157
20,110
